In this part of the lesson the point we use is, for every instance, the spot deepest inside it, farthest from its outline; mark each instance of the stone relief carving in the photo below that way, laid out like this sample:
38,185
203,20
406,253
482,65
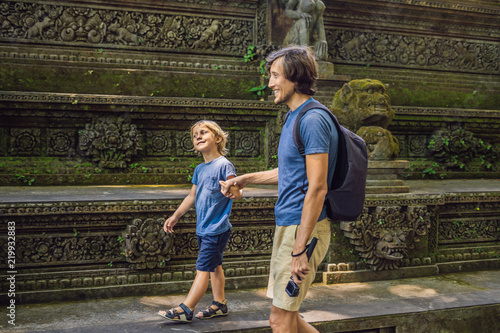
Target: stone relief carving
262,24
80,25
251,240
54,23
459,148
242,240
363,106
25,141
184,144
110,141
61,142
159,143
308,27
247,143
50,250
146,243
384,236
413,51
465,231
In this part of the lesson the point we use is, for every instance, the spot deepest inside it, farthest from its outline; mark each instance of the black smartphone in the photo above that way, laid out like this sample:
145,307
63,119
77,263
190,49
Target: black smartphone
292,289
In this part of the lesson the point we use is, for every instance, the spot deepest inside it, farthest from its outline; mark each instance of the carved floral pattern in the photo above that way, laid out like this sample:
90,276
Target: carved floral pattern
61,142
467,231
251,240
66,249
110,141
459,148
25,141
247,143
158,143
184,145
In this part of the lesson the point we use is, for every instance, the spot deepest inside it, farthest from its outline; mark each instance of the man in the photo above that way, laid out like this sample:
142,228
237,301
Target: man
299,216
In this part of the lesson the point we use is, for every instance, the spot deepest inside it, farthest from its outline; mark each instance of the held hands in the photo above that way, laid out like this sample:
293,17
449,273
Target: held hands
231,189
169,224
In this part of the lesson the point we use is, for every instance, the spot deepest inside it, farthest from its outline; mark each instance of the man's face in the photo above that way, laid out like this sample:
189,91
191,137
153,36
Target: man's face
283,89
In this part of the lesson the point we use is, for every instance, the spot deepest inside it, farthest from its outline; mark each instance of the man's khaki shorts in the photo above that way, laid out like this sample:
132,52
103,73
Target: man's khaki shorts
281,263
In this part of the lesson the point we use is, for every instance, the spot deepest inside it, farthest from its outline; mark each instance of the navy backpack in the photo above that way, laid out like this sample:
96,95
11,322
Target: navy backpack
346,192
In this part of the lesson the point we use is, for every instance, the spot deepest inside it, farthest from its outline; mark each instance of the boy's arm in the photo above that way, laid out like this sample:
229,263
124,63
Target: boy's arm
183,208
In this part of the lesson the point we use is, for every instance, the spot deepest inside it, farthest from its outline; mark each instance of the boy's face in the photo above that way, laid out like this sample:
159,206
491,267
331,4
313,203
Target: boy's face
283,89
204,139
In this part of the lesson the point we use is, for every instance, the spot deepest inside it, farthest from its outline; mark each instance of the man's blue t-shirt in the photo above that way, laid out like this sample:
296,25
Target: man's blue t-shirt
319,135
212,207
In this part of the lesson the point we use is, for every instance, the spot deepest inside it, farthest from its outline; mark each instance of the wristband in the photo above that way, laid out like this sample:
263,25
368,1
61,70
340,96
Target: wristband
301,253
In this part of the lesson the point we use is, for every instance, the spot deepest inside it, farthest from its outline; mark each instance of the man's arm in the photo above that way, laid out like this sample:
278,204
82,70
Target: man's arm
317,175
269,177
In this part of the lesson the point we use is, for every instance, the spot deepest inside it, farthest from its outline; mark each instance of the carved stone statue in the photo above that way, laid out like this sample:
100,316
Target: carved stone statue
384,236
363,106
308,28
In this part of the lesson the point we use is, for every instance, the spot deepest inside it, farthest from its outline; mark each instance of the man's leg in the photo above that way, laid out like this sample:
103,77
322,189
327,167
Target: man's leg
289,321
283,321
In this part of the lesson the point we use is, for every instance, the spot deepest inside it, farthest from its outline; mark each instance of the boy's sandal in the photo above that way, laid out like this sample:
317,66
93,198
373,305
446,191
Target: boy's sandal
184,317
210,312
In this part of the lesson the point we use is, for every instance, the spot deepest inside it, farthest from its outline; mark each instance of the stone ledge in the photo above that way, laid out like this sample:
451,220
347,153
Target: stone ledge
369,275
410,272
140,289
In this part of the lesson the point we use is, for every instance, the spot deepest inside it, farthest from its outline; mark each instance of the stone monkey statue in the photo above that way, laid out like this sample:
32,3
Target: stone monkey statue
308,28
364,107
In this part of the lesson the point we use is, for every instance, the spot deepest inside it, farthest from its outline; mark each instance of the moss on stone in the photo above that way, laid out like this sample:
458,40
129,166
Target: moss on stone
233,85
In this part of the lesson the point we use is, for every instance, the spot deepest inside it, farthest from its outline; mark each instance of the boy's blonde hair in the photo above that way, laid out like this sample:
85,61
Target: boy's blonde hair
217,131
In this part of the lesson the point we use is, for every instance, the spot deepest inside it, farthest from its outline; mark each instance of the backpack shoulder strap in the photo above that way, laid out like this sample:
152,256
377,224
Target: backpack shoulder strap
296,127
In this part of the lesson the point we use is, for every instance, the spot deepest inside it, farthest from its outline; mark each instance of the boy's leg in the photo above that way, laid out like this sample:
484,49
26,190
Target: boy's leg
198,289
218,281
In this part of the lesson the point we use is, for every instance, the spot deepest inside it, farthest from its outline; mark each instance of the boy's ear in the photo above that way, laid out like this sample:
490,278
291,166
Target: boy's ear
218,139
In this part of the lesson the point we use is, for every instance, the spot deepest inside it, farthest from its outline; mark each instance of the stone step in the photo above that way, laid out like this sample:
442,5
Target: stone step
460,302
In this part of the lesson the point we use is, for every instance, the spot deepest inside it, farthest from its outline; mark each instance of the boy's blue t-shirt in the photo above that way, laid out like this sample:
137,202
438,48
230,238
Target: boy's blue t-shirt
212,207
319,135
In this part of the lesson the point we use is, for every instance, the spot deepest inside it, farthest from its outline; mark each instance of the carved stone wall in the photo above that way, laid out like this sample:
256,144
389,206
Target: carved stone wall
448,142
92,139
171,26
122,243
417,231
432,54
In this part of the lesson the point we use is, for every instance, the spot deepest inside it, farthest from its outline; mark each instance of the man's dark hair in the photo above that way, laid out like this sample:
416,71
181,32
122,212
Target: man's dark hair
299,66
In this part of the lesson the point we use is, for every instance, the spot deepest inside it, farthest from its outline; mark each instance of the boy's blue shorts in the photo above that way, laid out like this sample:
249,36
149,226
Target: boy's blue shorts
211,249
